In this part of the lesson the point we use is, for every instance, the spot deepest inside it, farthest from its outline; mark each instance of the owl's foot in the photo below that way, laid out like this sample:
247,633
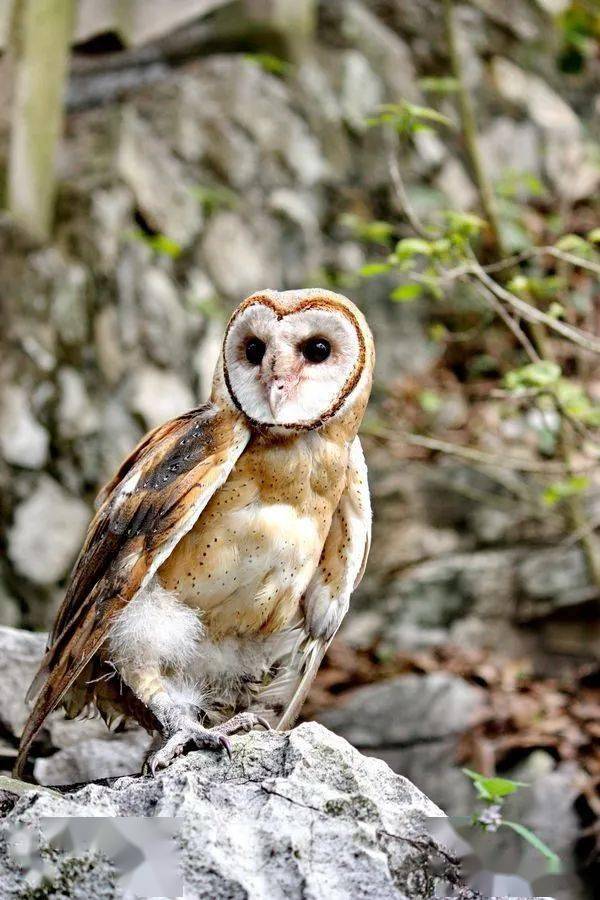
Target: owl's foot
244,721
186,734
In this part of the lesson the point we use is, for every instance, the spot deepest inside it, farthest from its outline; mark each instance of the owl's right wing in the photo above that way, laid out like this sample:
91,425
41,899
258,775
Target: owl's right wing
155,498
339,572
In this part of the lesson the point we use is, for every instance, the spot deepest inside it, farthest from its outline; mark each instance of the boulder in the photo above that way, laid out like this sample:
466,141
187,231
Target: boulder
23,441
414,723
47,532
297,814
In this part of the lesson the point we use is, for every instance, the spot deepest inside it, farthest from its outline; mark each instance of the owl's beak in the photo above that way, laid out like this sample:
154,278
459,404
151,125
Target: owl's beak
278,394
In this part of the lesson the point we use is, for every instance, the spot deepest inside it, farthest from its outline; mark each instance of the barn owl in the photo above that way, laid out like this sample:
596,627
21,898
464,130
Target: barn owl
223,553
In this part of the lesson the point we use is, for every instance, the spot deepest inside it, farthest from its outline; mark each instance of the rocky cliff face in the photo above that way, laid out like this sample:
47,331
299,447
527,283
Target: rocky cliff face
186,185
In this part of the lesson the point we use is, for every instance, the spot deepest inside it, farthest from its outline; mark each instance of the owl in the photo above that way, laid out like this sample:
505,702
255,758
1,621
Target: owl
223,553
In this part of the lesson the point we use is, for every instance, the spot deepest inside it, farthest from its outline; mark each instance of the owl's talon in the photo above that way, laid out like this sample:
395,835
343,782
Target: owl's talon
187,734
262,721
226,743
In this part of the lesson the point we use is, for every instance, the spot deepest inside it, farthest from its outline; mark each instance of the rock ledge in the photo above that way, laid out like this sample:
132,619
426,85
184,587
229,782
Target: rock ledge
294,815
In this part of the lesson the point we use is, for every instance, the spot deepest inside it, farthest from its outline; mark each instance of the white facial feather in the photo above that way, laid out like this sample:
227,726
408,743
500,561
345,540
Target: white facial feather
311,389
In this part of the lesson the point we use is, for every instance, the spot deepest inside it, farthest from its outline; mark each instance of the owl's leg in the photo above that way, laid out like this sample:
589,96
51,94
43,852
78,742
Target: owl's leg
155,634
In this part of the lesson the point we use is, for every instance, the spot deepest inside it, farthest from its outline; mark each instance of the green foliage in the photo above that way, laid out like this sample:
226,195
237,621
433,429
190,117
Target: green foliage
443,85
575,244
213,198
492,789
560,490
430,402
542,374
580,27
374,268
370,231
161,244
405,293
269,62
519,185
573,400
408,119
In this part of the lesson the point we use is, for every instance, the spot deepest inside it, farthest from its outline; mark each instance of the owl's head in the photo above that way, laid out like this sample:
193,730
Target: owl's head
296,359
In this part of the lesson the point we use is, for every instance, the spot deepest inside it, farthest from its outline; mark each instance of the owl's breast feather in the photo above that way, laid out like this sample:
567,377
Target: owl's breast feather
246,564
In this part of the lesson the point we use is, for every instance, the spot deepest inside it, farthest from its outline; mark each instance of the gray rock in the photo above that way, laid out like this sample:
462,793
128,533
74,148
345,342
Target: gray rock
406,710
23,441
77,415
47,532
20,655
552,579
386,52
300,814
161,189
164,321
66,285
456,185
237,260
104,756
510,147
157,395
111,215
569,159
361,90
109,351
414,723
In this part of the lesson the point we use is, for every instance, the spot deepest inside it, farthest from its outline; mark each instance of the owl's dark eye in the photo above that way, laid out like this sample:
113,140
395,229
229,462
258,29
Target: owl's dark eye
255,350
316,350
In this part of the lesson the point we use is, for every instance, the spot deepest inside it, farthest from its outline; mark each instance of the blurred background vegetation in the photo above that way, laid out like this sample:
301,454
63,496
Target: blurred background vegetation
439,163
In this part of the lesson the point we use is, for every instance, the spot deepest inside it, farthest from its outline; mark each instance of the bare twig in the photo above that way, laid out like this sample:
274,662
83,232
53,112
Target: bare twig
510,322
487,459
531,313
403,199
533,252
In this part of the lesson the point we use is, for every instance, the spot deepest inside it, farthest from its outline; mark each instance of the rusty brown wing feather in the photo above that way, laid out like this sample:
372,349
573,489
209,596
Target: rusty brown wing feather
155,498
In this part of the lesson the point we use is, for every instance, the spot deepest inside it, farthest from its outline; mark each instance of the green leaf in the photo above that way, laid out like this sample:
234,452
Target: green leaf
535,375
270,63
494,788
594,236
409,247
375,231
556,311
430,402
560,490
445,85
438,332
371,269
573,243
158,243
554,862
213,198
404,293
429,114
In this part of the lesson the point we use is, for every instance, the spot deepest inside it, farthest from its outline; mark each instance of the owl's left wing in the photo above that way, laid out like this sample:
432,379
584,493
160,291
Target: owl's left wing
156,497
339,572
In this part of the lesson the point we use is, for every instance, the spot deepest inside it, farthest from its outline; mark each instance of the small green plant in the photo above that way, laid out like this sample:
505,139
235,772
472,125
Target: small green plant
493,792
161,244
214,198
272,64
